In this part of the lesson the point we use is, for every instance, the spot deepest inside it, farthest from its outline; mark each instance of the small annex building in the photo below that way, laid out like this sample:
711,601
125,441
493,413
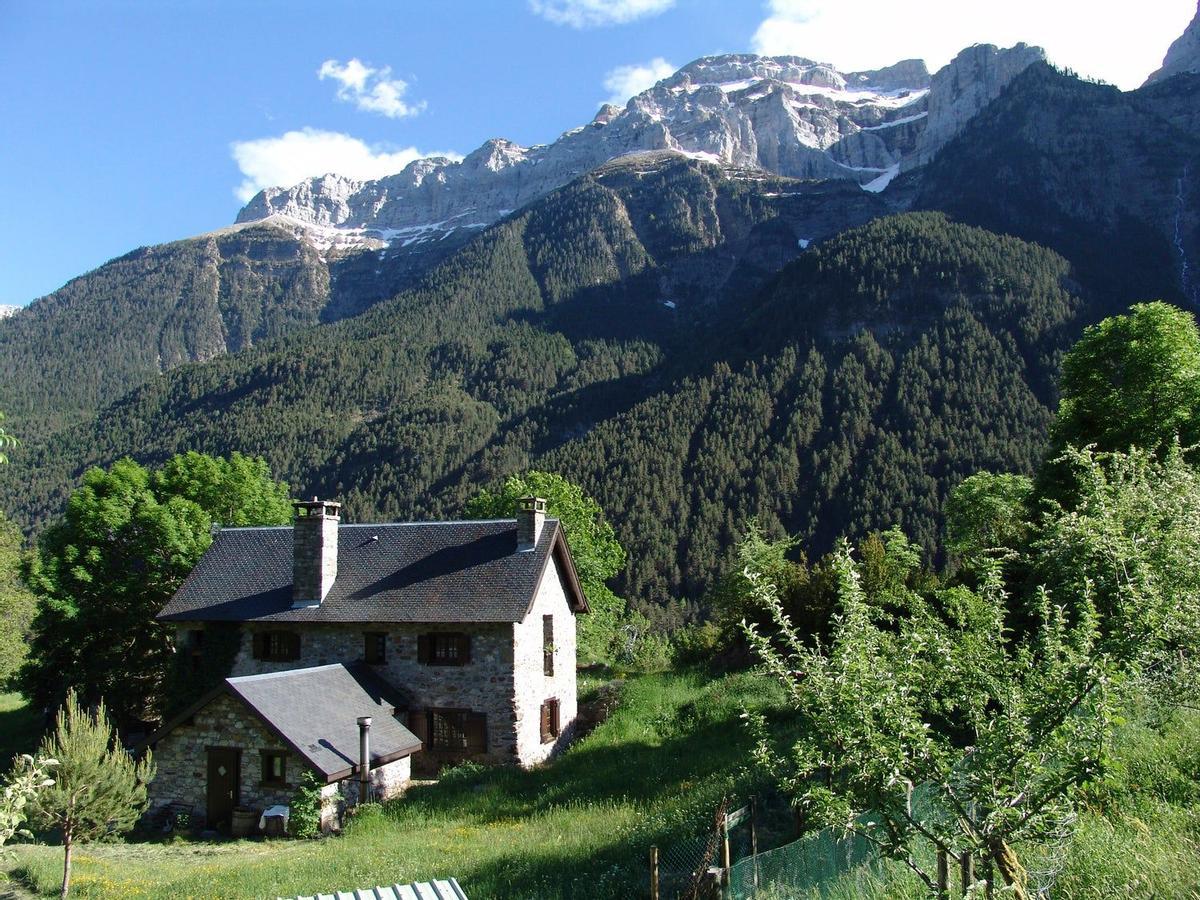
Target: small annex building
259,732
456,638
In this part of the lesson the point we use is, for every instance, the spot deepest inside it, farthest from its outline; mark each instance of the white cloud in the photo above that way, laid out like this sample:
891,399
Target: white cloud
370,90
296,155
595,13
624,82
1095,39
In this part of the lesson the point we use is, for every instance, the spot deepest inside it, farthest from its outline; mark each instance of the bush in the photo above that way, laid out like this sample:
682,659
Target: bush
305,818
698,644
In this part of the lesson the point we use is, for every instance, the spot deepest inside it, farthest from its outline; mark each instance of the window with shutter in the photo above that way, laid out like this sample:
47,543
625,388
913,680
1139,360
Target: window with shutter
375,647
549,720
476,732
277,646
448,649
548,645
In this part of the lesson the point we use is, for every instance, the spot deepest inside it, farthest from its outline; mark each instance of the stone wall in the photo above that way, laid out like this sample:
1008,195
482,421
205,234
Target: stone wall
181,758
503,679
532,686
485,684
387,781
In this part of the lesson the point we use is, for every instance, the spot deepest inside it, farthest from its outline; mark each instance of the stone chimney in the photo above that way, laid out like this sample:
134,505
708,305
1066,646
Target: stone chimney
314,550
531,515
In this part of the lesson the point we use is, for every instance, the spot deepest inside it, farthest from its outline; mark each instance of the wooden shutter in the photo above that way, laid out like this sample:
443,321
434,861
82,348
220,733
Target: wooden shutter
475,727
259,643
545,728
464,649
423,647
554,728
293,645
418,724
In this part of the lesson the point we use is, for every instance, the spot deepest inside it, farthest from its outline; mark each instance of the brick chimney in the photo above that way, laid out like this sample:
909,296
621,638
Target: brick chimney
531,515
314,550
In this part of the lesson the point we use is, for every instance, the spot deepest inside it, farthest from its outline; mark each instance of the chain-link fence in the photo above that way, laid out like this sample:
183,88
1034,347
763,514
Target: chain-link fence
682,867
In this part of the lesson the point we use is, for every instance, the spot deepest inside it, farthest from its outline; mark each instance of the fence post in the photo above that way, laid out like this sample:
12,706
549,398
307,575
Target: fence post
967,866
943,875
725,863
653,873
754,837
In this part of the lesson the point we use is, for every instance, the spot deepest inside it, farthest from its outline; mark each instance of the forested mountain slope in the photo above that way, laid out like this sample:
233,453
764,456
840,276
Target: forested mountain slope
1111,180
631,331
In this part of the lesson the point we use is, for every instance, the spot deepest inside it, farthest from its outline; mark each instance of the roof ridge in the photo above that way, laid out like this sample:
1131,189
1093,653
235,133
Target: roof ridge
224,528
262,676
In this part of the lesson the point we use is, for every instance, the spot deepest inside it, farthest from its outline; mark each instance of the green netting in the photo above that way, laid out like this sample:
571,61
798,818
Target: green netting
803,866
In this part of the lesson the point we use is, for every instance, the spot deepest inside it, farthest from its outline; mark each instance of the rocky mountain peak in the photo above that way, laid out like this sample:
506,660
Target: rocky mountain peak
1183,55
786,115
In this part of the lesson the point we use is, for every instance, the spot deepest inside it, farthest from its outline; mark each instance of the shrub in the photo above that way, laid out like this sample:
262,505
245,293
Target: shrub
305,813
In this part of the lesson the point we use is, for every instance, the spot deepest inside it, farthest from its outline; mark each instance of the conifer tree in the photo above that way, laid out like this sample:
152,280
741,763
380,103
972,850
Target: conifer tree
98,787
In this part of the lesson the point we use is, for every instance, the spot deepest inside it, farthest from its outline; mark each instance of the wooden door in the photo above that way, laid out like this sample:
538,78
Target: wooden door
223,778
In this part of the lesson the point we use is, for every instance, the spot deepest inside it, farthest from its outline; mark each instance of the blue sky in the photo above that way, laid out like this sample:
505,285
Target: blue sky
135,122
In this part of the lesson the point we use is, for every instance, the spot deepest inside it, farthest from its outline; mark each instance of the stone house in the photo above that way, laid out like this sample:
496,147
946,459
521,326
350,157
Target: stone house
459,634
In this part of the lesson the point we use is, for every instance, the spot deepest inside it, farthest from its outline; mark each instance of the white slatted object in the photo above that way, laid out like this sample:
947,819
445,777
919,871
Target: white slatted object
440,889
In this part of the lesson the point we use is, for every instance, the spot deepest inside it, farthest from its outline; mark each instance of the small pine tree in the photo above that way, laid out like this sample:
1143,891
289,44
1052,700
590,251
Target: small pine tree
98,787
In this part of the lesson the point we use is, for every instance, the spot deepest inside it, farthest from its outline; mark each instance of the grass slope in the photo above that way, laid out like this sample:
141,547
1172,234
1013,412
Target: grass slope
579,828
20,729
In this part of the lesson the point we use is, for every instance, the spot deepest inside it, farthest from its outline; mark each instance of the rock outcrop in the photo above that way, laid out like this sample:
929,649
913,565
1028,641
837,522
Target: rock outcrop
961,89
784,115
1183,55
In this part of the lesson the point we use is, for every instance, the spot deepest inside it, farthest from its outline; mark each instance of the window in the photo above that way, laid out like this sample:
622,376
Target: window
274,767
452,729
277,646
195,648
547,645
444,649
550,729
375,647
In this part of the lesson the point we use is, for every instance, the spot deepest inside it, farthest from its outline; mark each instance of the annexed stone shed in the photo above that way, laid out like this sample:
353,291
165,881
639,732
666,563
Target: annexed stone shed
247,742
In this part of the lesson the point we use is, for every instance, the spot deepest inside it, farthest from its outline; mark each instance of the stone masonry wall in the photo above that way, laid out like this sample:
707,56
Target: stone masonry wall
182,761
532,687
485,684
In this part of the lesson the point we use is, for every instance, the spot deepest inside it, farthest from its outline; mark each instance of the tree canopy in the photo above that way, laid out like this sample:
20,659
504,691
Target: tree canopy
98,788
1132,381
17,602
102,573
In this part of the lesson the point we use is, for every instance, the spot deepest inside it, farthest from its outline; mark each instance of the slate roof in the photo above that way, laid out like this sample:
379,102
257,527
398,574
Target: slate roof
399,572
315,712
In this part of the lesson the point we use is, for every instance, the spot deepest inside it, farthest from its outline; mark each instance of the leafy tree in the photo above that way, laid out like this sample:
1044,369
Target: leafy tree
594,547
126,542
17,602
926,718
98,787
1132,380
21,785
987,512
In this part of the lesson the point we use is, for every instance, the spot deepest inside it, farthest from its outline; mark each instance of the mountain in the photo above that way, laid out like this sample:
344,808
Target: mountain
784,115
656,331
1108,179
6,311
1183,55
740,314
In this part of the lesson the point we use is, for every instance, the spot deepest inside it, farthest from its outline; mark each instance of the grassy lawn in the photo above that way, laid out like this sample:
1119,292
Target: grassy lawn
20,728
578,828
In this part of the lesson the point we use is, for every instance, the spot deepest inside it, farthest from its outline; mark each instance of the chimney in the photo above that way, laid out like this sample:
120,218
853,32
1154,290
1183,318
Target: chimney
314,550
531,515
364,759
